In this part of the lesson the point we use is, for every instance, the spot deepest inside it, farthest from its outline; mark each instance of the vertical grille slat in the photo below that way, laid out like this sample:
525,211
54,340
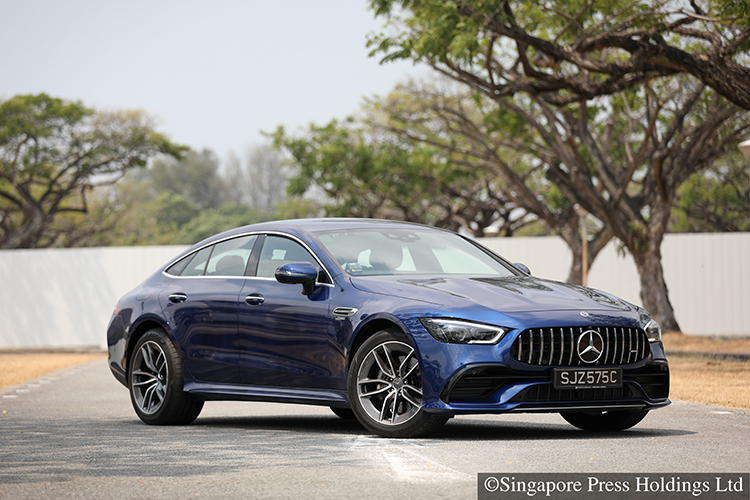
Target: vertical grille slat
572,347
531,346
606,350
558,346
541,346
551,347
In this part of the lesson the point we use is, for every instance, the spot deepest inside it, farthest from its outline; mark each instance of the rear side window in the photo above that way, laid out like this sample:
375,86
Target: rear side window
197,265
228,258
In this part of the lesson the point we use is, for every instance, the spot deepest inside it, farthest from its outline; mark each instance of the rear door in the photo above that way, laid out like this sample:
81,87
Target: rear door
201,306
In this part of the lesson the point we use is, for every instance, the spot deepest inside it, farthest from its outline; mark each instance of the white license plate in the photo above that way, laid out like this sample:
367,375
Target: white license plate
586,378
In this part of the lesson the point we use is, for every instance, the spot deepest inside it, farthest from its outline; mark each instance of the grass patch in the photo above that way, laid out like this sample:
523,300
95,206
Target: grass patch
17,368
712,382
680,342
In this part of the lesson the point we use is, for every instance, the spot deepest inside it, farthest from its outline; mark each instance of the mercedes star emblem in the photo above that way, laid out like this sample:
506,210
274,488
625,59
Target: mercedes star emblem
590,346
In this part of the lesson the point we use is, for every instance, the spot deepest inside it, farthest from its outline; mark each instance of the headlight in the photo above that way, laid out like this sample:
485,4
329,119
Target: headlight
455,331
653,331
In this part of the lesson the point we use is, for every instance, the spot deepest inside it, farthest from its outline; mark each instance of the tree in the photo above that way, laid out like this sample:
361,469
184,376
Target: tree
370,173
223,218
500,146
261,181
715,200
53,152
569,50
195,176
584,76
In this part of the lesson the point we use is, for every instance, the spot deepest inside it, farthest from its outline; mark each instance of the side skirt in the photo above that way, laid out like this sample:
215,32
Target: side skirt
232,392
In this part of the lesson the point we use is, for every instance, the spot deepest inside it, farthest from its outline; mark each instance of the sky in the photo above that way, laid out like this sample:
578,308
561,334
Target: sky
213,74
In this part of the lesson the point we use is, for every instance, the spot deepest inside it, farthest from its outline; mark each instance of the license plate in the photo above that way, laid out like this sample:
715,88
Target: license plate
586,378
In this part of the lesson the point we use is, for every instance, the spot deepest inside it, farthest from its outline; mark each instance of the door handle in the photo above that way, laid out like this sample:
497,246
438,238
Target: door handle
255,299
176,298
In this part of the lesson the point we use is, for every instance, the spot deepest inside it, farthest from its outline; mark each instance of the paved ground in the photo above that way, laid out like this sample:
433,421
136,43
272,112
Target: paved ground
75,435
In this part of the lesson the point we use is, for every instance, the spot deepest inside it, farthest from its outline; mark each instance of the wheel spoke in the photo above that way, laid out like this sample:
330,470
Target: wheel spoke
394,407
161,362
389,358
382,366
411,401
411,370
147,358
372,381
413,389
148,396
376,391
403,363
385,405
149,380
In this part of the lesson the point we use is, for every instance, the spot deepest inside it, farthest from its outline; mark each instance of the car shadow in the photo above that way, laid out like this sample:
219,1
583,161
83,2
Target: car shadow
494,430
455,429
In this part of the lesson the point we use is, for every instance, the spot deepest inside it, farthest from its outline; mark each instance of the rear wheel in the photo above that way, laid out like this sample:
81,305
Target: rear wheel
156,382
385,388
606,421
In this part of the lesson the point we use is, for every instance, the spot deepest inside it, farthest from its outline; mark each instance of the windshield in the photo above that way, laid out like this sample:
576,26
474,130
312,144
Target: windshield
368,252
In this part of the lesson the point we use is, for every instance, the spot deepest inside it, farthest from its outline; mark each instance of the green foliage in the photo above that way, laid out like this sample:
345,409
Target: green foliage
716,200
367,171
732,11
210,222
53,152
195,177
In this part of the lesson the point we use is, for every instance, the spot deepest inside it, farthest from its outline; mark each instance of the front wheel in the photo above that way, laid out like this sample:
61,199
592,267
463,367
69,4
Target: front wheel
605,421
385,388
156,382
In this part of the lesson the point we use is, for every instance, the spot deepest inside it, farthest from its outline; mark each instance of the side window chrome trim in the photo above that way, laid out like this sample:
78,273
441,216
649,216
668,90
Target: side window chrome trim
165,273
255,233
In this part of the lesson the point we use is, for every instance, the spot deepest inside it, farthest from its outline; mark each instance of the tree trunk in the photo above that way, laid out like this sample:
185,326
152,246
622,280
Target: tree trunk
570,234
654,293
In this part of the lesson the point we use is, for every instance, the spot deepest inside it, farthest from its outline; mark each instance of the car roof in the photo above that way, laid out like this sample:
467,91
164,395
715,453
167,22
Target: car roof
322,224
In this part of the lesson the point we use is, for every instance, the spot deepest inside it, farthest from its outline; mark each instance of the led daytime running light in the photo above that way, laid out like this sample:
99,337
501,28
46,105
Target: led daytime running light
455,331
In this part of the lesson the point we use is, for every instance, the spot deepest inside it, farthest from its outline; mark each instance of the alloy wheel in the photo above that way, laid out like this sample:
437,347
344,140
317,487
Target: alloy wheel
149,377
389,383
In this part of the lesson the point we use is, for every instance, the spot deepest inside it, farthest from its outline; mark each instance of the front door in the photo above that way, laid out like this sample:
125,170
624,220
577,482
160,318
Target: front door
284,335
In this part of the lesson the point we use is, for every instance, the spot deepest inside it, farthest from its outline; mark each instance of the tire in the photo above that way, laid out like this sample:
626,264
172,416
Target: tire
345,413
605,421
156,381
385,388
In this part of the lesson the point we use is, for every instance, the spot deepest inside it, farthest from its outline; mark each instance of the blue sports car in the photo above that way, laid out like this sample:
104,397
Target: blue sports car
398,325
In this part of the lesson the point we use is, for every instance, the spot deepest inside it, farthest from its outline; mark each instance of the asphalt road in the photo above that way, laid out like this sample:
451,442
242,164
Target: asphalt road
75,435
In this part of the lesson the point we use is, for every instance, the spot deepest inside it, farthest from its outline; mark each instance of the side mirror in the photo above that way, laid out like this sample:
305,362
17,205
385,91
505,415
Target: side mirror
298,273
522,267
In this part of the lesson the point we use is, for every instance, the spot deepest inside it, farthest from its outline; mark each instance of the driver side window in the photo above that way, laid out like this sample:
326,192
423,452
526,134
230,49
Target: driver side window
278,251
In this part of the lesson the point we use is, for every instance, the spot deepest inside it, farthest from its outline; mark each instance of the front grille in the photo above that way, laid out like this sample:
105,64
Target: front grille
558,346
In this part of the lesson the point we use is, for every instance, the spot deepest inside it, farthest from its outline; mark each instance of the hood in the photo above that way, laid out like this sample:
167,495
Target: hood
508,295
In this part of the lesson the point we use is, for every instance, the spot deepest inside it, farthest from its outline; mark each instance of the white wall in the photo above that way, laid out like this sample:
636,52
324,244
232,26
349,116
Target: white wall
708,275
65,297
